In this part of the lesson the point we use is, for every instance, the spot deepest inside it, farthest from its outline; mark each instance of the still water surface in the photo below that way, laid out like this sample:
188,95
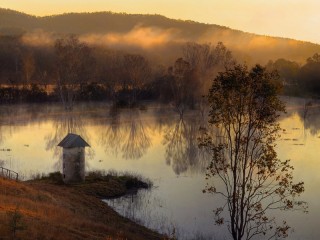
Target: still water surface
158,144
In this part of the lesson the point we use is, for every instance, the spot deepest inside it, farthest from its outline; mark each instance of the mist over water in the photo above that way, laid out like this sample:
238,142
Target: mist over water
160,145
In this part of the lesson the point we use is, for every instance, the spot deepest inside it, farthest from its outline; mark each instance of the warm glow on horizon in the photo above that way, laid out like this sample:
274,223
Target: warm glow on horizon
297,19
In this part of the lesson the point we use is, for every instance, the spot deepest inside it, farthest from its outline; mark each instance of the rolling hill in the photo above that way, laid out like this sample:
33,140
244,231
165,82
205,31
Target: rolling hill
160,36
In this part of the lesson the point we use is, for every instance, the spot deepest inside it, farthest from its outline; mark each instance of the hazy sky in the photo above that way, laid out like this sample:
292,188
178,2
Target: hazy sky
298,19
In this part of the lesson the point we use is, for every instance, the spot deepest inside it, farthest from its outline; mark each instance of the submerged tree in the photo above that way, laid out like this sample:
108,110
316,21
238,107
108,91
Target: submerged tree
183,85
74,67
308,76
137,73
189,75
244,107
206,60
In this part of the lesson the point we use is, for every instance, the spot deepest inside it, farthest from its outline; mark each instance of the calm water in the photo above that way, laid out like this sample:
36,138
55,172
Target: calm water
158,144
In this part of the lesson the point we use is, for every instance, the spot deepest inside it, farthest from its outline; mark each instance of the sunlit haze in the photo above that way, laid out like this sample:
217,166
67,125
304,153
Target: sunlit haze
297,19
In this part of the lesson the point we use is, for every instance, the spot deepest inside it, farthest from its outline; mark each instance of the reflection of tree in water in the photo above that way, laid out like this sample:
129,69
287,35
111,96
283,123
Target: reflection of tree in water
163,117
174,140
182,150
111,134
12,118
1,133
145,208
137,140
308,111
131,137
67,122
309,114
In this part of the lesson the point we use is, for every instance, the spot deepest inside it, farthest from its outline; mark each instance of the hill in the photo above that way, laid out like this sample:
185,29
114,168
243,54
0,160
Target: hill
154,34
46,210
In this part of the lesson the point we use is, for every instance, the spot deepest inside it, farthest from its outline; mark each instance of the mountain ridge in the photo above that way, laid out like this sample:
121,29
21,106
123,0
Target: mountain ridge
68,14
249,47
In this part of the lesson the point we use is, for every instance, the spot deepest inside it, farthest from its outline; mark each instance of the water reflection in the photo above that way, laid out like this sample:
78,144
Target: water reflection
308,111
310,116
131,137
150,209
130,133
64,123
11,118
127,133
136,138
153,138
111,134
182,150
140,208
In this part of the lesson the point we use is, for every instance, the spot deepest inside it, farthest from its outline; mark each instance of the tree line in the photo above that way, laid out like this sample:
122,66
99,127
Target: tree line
299,80
74,71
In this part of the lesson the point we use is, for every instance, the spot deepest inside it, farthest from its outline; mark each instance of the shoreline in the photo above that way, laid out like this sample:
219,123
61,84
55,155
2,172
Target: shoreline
57,211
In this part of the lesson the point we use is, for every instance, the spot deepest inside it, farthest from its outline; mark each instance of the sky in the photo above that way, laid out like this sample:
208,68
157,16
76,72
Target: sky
297,19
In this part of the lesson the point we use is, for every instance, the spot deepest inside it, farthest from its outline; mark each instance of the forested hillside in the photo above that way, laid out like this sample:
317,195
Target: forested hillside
127,58
154,33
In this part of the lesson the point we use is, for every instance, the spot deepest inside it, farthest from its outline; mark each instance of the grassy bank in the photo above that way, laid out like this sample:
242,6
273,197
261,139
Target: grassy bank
100,184
47,209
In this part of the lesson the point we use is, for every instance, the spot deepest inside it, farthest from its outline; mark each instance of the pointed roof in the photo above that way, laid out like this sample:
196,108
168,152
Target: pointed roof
73,140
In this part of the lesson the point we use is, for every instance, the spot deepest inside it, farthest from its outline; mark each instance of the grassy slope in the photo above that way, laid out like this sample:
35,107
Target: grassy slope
51,211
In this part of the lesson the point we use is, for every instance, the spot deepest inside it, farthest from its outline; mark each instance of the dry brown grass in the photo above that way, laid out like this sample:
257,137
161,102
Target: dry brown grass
50,211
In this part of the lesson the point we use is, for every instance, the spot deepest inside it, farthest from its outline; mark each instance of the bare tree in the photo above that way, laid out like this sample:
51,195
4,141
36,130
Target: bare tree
110,71
74,66
138,73
184,85
28,66
244,107
206,61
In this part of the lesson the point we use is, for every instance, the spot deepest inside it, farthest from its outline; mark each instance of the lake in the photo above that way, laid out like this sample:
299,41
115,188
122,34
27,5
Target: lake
156,143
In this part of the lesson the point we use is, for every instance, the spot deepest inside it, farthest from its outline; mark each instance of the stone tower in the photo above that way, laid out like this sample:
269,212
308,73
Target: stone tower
73,158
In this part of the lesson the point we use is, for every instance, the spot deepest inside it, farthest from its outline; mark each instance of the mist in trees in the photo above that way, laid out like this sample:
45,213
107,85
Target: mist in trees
185,83
75,66
288,74
299,80
309,76
70,70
